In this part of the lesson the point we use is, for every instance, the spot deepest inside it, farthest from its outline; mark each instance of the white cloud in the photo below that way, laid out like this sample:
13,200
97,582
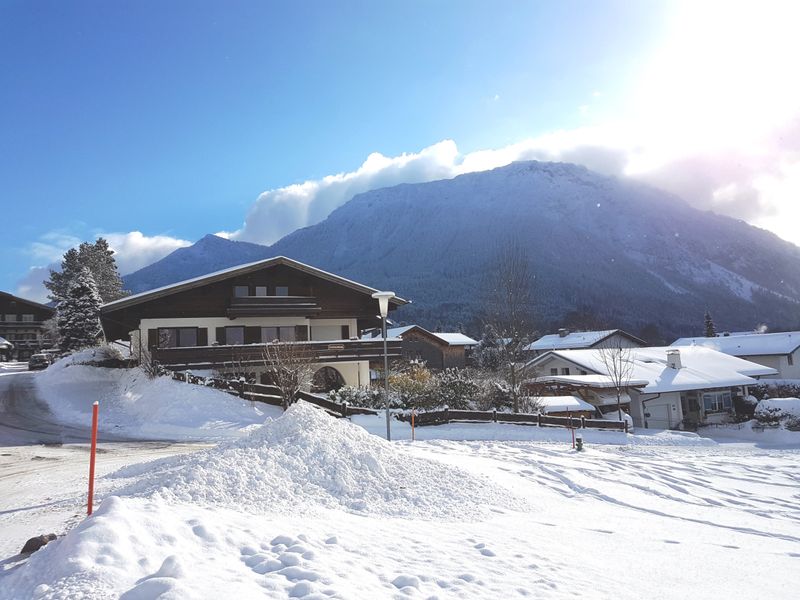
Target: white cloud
132,251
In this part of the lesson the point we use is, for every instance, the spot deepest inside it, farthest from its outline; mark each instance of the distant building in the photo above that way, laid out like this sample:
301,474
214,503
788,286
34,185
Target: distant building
668,387
579,340
781,351
22,324
438,350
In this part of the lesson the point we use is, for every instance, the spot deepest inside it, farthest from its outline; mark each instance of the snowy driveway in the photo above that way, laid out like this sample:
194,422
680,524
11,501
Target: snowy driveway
26,419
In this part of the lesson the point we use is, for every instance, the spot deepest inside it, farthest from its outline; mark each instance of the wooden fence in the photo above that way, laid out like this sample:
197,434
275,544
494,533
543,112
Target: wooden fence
269,394
440,417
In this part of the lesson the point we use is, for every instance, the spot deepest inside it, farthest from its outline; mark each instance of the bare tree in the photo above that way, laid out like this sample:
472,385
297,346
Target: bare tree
618,363
290,367
509,308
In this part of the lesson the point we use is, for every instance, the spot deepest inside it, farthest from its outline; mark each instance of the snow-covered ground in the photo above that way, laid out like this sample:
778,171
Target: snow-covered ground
312,507
133,405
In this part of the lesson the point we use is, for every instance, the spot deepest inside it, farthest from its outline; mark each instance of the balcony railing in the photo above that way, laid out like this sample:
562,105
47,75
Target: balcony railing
256,306
252,355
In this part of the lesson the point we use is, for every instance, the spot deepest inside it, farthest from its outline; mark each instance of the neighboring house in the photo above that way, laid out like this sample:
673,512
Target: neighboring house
781,351
578,340
223,320
438,350
668,387
6,348
21,323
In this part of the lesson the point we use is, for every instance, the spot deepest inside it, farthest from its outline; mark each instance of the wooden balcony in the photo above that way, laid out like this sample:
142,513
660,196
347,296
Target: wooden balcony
260,306
252,355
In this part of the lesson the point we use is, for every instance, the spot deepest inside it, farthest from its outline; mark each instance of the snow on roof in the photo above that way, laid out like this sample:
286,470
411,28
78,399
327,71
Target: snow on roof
551,404
247,267
397,331
703,368
5,342
748,344
456,339
593,380
577,339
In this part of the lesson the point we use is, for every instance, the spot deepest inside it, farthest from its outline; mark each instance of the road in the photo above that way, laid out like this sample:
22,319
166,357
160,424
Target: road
26,419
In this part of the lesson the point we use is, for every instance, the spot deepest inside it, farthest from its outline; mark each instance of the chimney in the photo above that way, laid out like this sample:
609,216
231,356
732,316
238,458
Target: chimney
563,332
674,359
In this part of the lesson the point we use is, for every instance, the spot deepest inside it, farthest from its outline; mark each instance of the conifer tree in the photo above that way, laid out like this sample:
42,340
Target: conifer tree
711,331
99,259
78,313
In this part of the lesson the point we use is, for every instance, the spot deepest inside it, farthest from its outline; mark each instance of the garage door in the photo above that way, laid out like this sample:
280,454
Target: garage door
657,416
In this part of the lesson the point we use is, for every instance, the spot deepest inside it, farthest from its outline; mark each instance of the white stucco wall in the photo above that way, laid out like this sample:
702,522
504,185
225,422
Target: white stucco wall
779,362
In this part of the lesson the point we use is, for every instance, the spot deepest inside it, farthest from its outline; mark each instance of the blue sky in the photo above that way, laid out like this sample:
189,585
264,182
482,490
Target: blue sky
170,118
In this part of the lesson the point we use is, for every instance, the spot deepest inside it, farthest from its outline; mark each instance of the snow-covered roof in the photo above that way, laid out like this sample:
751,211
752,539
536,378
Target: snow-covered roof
703,368
4,343
551,404
456,339
592,380
237,270
574,340
748,344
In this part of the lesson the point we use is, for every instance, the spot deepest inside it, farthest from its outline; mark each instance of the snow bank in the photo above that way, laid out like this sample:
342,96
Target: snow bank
132,404
307,460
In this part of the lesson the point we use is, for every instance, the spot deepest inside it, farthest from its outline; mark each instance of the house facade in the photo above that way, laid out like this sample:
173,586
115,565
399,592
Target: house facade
438,350
667,388
779,351
22,325
223,321
579,340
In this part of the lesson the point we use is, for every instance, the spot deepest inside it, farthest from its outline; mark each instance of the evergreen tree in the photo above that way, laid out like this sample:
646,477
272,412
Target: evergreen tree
99,259
488,354
711,331
78,313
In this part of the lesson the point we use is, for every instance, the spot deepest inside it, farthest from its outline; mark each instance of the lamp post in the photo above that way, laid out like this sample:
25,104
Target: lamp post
383,305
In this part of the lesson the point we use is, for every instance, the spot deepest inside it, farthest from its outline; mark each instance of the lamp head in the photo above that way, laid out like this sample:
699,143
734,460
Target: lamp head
383,301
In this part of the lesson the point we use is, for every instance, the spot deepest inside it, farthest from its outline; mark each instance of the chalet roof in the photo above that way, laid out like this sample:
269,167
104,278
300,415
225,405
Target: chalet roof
456,339
577,339
703,368
589,381
28,302
451,339
748,344
195,282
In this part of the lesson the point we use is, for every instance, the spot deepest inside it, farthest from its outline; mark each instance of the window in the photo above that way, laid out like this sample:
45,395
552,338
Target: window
565,370
234,336
582,372
27,318
261,290
281,290
11,318
553,371
791,359
176,337
283,334
241,291
345,332
717,401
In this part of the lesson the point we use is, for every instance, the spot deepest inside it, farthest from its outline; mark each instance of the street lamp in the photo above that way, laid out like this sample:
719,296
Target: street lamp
383,305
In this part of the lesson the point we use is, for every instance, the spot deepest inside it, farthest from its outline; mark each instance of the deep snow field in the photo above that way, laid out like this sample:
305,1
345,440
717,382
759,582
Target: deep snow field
312,507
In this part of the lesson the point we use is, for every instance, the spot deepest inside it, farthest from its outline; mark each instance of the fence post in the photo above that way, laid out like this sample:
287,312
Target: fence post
344,409
625,426
538,419
494,415
583,422
447,414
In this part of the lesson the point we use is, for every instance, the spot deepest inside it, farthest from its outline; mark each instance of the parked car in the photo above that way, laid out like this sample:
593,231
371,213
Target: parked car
38,361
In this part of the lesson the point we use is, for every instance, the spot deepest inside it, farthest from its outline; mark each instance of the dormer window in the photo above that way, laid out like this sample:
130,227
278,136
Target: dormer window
241,291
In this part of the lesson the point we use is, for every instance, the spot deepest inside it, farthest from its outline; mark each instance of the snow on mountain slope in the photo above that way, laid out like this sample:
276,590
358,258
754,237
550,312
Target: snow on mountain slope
631,254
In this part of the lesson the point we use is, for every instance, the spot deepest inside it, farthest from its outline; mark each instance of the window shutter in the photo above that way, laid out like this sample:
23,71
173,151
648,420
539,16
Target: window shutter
221,335
202,336
252,335
152,338
301,333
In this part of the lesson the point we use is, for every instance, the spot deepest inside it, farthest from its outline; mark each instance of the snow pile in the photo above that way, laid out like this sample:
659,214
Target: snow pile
135,405
307,460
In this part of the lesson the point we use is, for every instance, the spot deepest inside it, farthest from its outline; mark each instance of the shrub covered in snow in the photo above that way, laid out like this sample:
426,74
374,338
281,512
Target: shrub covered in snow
779,411
780,388
358,396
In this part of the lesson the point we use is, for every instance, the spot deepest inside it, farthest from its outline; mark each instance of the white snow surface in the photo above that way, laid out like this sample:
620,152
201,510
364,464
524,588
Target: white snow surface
137,406
306,460
748,344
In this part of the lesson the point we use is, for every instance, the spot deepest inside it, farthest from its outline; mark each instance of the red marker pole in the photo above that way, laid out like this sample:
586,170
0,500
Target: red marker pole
95,408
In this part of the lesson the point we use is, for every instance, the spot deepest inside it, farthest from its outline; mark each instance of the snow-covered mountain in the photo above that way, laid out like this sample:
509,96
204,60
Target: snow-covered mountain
611,250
